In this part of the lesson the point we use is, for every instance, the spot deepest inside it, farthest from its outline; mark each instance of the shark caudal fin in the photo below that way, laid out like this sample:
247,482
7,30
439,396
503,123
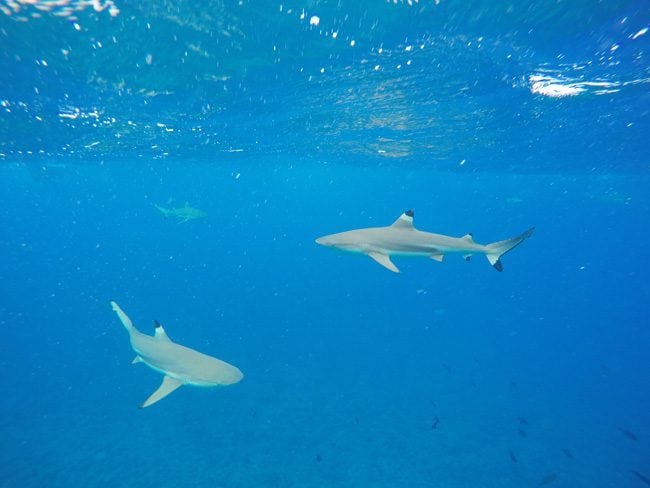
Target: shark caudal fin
124,318
163,210
495,250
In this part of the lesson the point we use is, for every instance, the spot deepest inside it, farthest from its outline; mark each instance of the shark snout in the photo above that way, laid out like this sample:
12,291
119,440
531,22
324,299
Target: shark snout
337,241
230,377
237,376
322,241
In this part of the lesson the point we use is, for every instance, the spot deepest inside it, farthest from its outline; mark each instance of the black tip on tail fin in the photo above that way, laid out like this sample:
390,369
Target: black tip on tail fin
156,324
410,213
498,266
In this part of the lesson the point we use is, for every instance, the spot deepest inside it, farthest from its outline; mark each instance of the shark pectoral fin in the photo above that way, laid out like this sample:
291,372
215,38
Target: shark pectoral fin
437,257
169,384
384,260
137,360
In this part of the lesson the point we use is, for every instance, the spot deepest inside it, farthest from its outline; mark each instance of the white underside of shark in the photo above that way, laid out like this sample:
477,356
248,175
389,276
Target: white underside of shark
403,239
180,365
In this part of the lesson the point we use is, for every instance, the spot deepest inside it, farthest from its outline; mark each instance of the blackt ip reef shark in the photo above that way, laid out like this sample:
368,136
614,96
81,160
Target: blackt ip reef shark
183,214
180,365
403,239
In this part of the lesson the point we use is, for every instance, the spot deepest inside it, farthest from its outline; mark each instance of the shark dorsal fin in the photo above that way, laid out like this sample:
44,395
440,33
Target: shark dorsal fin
468,237
405,221
159,332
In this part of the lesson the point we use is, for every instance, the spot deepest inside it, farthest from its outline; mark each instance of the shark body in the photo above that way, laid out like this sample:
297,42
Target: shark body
180,365
183,214
403,239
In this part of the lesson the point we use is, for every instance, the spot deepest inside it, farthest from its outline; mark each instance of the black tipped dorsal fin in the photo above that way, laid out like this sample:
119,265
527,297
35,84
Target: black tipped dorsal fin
159,332
405,221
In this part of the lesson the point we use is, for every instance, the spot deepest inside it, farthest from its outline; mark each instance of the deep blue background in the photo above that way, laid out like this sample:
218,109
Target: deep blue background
347,366
342,358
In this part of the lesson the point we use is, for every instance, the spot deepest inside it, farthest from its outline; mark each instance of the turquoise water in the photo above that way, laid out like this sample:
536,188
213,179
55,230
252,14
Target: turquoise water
482,118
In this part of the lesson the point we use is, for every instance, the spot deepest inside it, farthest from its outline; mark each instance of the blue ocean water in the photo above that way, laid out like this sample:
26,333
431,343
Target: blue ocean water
284,122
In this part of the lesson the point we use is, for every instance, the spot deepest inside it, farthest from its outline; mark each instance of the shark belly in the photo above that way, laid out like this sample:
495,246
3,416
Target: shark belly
188,366
416,243
427,244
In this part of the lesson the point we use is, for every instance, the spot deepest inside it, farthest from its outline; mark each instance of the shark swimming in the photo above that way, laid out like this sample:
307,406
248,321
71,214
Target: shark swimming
183,214
180,365
403,239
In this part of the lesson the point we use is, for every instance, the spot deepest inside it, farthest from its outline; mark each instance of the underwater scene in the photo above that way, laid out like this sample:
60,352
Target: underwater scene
324,243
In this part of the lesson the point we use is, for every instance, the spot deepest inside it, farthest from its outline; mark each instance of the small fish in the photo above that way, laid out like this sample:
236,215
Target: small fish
513,458
568,453
318,458
642,477
435,423
630,435
522,433
547,480
522,421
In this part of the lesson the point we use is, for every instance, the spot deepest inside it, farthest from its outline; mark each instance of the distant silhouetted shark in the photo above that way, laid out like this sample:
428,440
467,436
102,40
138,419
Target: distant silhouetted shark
183,214
180,365
402,239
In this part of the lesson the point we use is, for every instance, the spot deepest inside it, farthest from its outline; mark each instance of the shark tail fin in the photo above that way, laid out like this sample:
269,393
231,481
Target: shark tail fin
163,210
495,250
124,318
